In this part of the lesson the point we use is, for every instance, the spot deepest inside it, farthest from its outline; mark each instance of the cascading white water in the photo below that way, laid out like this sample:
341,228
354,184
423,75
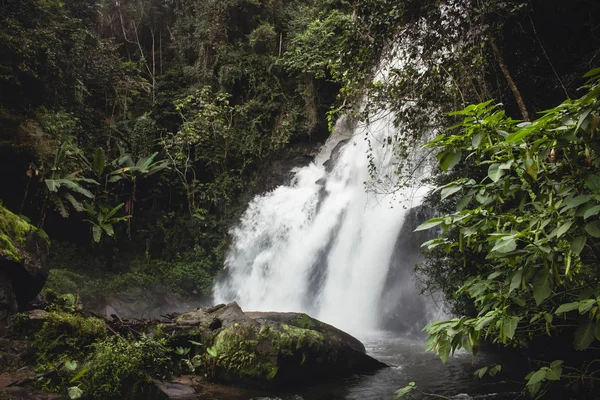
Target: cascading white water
322,244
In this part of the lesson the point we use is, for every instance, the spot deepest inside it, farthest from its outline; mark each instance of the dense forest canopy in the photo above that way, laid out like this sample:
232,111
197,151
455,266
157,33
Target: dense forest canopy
134,132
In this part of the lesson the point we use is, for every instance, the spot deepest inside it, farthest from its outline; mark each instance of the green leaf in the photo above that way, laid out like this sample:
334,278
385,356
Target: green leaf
113,211
584,335
509,326
52,185
593,229
74,392
108,229
531,167
591,212
96,233
450,190
537,377
515,281
554,372
597,331
429,224
505,244
592,73
403,392
563,229
212,351
585,305
542,288
518,135
592,182
482,322
495,369
578,244
572,202
449,159
71,365
480,372
99,162
495,172
564,308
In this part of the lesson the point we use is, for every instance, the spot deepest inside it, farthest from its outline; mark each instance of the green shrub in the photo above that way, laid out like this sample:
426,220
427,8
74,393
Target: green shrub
119,369
64,337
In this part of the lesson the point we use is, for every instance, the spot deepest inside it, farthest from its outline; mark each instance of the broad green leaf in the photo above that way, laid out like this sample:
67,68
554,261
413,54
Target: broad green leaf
542,285
212,351
463,202
429,224
505,244
567,307
450,190
476,141
572,202
52,185
74,186
77,205
592,182
518,135
482,322
593,228
554,372
578,244
537,377
96,233
583,117
563,229
495,172
108,229
510,326
515,281
443,350
585,305
113,211
591,212
99,162
531,167
449,159
584,335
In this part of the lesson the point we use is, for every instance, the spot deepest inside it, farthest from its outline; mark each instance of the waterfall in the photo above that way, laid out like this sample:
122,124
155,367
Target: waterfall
324,244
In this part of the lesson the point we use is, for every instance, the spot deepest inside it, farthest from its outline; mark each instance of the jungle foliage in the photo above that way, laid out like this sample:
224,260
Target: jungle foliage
121,117
522,243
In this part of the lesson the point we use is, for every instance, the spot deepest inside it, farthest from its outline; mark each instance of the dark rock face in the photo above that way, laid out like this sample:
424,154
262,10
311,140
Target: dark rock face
269,349
8,302
23,266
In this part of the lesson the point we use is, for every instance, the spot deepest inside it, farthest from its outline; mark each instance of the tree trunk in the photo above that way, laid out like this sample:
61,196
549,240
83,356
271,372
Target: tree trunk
509,79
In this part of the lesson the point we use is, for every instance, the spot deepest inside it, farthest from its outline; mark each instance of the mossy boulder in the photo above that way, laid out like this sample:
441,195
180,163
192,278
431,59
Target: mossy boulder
273,349
23,266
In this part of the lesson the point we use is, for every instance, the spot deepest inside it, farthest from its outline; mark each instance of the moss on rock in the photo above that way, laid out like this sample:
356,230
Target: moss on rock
66,336
13,233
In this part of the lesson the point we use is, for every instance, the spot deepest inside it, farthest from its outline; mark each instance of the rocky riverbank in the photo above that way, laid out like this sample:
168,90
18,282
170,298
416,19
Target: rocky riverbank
77,354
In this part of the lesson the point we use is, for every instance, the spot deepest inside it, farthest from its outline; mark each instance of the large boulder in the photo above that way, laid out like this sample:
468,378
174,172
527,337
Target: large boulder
273,349
23,267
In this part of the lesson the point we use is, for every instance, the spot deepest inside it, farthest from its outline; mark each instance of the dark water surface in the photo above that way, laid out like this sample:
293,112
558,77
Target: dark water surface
409,363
